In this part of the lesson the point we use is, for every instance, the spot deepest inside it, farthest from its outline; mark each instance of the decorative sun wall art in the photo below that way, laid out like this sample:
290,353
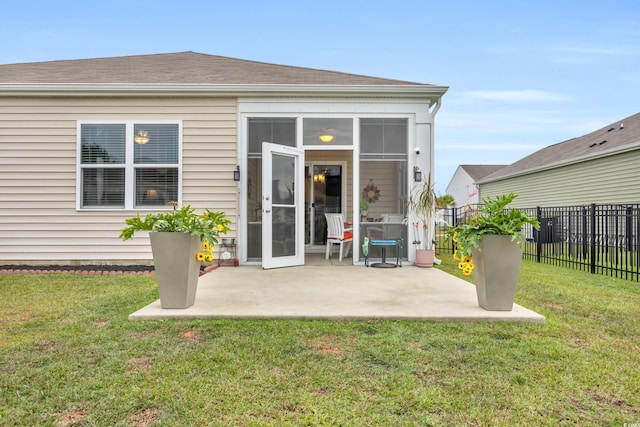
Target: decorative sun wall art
371,192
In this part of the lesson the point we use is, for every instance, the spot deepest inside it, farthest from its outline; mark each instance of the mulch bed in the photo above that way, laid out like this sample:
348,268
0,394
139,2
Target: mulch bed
78,269
88,269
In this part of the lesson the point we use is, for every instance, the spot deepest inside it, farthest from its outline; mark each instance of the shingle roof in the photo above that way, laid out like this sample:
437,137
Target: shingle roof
611,137
179,68
477,172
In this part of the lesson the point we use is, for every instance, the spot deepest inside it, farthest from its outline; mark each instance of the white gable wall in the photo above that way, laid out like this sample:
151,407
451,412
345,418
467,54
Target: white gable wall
461,186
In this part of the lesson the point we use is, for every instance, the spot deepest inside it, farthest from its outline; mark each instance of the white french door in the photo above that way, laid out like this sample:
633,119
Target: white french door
282,206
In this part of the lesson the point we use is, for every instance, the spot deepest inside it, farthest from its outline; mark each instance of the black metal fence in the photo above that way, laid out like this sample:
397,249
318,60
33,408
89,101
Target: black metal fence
599,238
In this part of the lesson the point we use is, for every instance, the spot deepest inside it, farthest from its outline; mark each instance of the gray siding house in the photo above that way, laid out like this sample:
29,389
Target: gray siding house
86,143
600,167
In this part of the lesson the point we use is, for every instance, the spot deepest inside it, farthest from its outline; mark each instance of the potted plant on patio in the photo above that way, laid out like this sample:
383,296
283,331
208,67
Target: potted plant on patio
364,208
489,244
180,240
422,206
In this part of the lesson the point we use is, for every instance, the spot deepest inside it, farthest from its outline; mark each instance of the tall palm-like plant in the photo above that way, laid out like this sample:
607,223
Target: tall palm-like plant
422,206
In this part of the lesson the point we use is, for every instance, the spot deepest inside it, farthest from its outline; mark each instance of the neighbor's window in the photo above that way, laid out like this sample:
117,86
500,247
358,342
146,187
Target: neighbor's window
128,165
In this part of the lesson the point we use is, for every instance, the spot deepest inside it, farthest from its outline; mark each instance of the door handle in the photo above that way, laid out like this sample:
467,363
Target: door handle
267,211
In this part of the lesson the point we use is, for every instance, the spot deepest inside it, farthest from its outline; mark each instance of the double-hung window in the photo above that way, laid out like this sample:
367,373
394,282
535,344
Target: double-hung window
128,165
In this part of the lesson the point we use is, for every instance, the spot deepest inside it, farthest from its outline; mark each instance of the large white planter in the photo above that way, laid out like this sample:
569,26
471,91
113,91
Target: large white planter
177,270
496,269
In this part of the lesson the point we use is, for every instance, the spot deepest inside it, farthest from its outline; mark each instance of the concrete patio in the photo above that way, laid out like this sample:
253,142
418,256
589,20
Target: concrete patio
330,290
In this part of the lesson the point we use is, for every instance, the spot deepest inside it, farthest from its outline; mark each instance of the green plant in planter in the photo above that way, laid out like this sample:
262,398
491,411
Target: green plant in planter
493,218
208,226
364,204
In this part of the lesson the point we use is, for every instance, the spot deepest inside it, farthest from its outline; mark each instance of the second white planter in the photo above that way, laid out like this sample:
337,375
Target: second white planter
496,270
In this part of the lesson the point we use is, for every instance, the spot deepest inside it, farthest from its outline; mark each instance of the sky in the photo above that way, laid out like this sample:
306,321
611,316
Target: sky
522,75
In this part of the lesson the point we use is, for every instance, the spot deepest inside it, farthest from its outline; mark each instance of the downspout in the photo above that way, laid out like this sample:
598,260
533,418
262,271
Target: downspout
433,113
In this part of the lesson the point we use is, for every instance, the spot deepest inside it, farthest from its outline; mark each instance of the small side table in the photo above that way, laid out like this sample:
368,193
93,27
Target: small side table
228,252
384,243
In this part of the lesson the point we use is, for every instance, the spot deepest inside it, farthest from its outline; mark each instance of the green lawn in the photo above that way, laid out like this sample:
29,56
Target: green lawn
69,356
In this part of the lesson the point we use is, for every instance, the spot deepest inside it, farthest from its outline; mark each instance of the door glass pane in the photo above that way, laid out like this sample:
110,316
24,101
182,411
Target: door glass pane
283,229
283,225
308,209
283,179
327,198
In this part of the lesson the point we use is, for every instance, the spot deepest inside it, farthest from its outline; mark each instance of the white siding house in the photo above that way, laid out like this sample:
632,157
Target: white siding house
463,186
73,166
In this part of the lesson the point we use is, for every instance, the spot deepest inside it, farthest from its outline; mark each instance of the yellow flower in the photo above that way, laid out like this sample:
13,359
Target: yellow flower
209,258
467,270
467,260
455,237
200,256
220,227
455,255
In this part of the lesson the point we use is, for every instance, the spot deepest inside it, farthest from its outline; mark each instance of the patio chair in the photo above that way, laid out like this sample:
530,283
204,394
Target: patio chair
390,231
337,234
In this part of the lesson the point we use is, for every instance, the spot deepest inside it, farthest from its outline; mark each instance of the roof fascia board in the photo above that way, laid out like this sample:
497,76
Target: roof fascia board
108,89
617,150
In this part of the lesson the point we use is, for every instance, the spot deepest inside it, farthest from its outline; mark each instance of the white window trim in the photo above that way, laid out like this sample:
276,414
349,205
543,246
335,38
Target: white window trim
129,165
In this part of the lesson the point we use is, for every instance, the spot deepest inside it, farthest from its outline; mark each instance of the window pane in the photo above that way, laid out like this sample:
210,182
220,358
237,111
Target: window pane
102,143
383,138
328,131
254,208
102,187
267,129
385,214
156,143
156,187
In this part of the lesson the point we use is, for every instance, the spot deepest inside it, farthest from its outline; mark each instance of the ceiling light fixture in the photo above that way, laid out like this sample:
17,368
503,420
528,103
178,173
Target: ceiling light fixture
326,138
142,137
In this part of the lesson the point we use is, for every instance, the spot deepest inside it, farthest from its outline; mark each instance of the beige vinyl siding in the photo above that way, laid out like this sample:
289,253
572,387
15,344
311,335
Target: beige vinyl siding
38,218
612,179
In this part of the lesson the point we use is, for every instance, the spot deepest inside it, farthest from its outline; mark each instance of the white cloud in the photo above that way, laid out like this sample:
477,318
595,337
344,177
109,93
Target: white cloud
524,95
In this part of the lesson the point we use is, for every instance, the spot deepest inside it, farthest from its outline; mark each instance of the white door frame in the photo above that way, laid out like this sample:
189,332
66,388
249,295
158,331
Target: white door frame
343,184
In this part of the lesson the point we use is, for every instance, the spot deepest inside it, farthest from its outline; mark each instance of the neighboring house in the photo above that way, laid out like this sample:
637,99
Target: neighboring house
86,143
463,186
600,167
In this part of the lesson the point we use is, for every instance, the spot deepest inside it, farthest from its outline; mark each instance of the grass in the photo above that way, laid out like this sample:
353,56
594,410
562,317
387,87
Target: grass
70,357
